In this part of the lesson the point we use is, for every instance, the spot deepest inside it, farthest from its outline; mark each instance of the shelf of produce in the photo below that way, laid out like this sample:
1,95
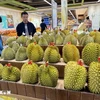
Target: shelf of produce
60,65
47,93
80,48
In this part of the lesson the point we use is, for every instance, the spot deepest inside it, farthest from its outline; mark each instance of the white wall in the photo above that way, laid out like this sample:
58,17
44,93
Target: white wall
34,18
94,14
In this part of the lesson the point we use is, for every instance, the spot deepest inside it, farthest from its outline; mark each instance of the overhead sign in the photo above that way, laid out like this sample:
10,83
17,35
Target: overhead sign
54,14
64,13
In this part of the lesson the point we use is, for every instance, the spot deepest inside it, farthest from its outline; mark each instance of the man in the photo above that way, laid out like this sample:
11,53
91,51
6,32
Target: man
25,27
43,26
88,24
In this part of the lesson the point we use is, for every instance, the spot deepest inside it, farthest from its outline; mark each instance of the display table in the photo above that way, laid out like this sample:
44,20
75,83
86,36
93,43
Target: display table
46,93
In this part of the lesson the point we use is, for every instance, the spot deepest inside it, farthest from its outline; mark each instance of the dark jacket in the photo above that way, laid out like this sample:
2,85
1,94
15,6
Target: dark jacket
43,26
21,28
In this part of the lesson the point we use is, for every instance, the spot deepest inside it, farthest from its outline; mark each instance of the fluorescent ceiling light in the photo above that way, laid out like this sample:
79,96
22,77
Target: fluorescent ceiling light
48,2
98,1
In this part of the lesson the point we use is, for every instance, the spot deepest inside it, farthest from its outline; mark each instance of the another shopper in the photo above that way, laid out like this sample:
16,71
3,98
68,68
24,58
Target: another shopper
25,26
43,26
88,24
1,45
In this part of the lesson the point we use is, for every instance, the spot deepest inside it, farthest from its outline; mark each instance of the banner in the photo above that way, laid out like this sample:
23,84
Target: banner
54,14
64,13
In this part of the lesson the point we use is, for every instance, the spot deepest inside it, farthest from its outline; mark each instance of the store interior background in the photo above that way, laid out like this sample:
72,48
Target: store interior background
16,14
79,15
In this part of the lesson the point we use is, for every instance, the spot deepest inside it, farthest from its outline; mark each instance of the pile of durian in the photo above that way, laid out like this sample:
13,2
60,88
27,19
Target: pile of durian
75,75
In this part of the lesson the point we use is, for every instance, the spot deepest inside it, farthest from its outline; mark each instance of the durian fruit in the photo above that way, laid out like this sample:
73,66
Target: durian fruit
10,73
66,32
36,38
70,38
59,39
1,68
75,76
29,73
21,54
51,54
8,54
10,40
48,75
35,52
47,37
70,53
92,33
51,38
42,41
62,34
30,41
90,53
22,40
94,77
86,39
80,36
97,37
15,46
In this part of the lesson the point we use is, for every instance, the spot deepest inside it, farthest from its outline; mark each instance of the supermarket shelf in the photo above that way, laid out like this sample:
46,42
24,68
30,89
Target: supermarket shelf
60,65
46,93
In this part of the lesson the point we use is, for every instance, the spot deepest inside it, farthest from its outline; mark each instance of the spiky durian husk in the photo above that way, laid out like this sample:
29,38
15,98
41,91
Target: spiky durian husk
74,76
8,54
86,39
90,53
70,53
10,73
35,52
52,54
43,42
70,38
22,40
1,68
29,73
36,38
30,41
21,54
15,47
59,39
48,75
10,40
97,37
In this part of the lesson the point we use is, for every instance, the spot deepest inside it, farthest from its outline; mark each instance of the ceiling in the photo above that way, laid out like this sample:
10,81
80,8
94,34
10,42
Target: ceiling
41,3
41,7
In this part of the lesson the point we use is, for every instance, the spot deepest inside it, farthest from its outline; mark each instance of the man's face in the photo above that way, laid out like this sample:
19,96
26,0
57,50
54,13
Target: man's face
25,18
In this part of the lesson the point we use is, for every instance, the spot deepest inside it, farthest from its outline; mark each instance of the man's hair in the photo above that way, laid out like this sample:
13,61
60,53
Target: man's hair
87,18
42,20
24,13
